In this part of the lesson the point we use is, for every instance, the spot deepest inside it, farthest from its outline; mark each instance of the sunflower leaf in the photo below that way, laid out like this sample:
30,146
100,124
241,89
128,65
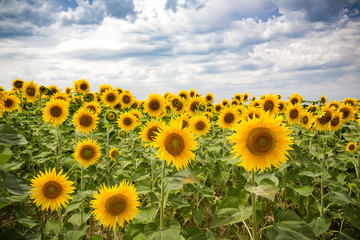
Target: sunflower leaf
227,216
10,136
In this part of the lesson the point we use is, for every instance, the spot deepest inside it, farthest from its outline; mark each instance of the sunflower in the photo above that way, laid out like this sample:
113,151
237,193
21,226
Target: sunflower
122,133
194,104
110,97
282,105
89,97
192,93
234,102
17,84
175,144
115,205
269,103
351,101
261,142
31,91
93,106
56,111
51,190
11,103
293,113
184,119
225,102
336,121
295,99
154,105
306,120
238,97
127,121
209,98
251,113
111,116
228,118
113,153
104,87
323,100
85,120
334,104
68,90
53,90
87,152
312,109
81,86
246,97
200,125
126,99
322,121
177,104
351,147
347,112
150,130
61,96
184,94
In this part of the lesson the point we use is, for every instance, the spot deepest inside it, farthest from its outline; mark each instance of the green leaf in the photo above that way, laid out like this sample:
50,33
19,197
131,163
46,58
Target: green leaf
198,214
353,214
340,199
11,166
52,227
5,155
146,215
304,190
74,233
96,237
194,233
74,205
294,230
170,232
28,221
76,218
10,136
320,225
287,215
16,185
267,176
264,190
227,216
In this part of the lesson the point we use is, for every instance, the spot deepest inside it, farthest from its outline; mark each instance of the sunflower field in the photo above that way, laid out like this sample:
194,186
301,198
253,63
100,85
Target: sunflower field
105,165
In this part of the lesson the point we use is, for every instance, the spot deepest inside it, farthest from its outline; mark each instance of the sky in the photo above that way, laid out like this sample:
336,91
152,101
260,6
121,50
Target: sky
309,47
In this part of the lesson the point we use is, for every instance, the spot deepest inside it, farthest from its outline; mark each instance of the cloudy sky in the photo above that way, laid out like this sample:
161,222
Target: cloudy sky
311,47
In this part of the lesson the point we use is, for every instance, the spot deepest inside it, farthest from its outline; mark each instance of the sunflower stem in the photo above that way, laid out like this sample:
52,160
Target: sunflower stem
82,204
60,220
253,202
115,232
162,197
322,187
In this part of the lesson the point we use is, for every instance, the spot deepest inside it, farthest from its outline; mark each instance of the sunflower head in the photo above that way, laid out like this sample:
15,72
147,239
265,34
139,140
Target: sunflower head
111,116
113,153
238,96
218,107
209,98
246,97
11,103
269,103
347,112
177,104
184,94
228,118
104,87
154,105
127,121
293,113
56,111
194,104
200,125
115,205
351,147
306,120
81,86
110,97
93,106
295,99
126,98
85,120
31,91
350,101
336,121
122,133
51,190
323,100
261,142
17,84
87,152
150,130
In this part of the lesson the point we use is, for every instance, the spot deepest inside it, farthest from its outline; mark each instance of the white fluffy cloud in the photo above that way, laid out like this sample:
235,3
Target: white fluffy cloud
213,46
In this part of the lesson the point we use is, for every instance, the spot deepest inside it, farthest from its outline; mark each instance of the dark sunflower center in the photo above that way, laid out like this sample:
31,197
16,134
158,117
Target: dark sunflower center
92,108
127,121
194,106
114,154
335,121
86,120
84,86
184,124
269,105
154,104
305,120
345,112
9,102
294,101
126,99
111,116
87,153
151,134
351,147
174,144
110,97
183,95
349,102
115,205
260,141
200,125
325,118
18,84
217,108
52,189
312,109
294,113
208,98
30,91
281,106
55,111
229,117
323,100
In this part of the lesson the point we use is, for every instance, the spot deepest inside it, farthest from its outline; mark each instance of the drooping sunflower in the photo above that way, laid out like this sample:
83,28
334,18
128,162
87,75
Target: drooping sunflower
336,121
154,105
269,103
17,84
323,100
193,107
110,97
113,153
200,125
56,111
293,113
261,142
175,144
81,86
127,121
87,152
192,93
115,205
184,94
351,147
31,91
85,120
150,129
347,112
11,103
246,97
177,104
126,99
209,98
93,106
238,97
229,118
51,190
